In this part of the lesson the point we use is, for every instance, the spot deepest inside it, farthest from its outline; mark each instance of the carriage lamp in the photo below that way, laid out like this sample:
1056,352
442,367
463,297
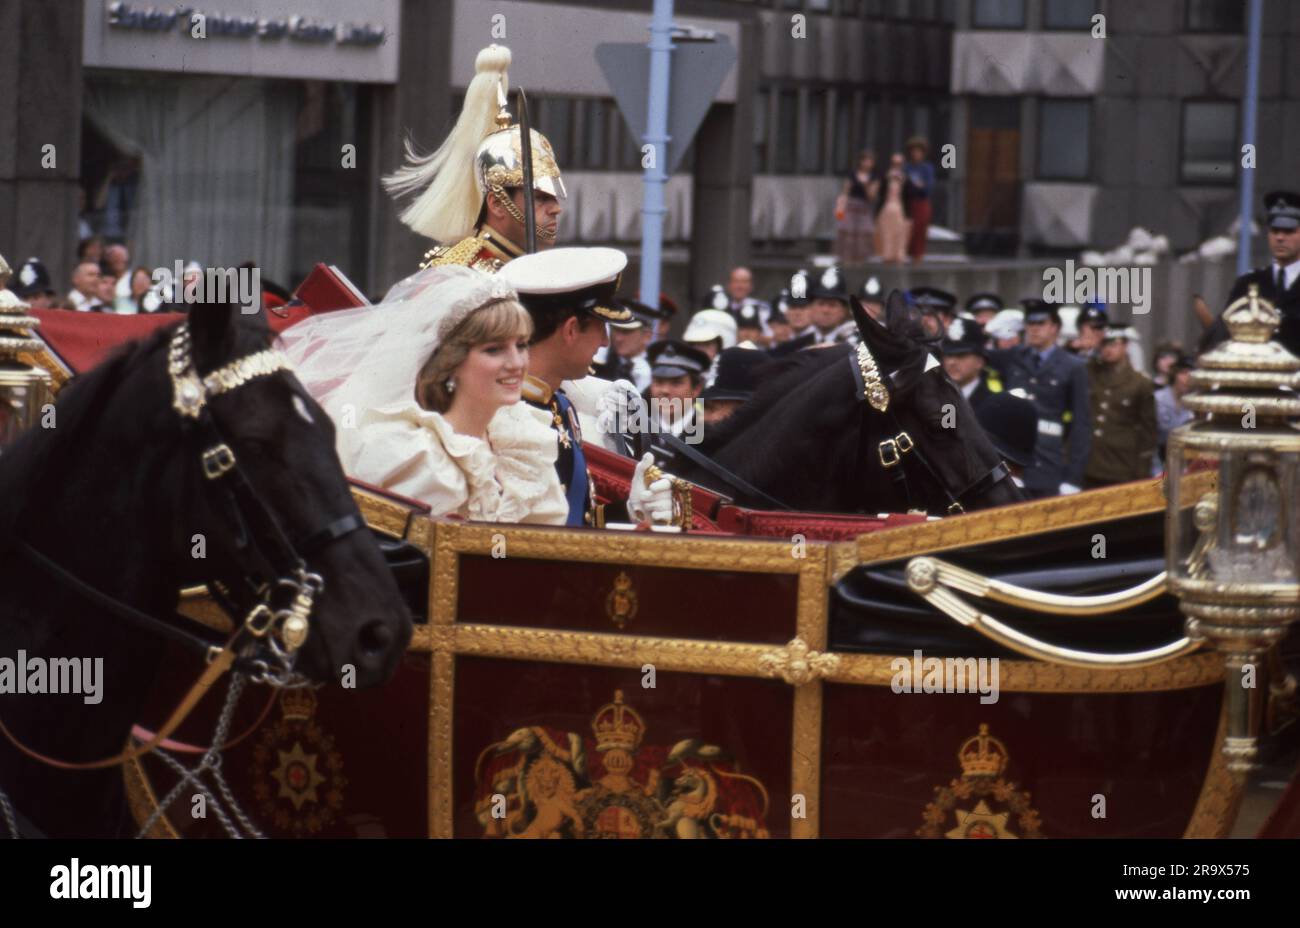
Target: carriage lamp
24,390
1233,545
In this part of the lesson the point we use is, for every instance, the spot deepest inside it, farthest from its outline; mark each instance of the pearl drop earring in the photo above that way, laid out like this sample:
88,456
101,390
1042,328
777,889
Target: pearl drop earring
451,384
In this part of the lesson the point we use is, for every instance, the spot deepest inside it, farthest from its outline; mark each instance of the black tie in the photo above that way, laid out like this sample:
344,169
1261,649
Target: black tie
1281,280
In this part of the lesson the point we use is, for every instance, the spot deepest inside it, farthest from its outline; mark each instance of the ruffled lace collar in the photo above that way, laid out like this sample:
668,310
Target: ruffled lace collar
510,472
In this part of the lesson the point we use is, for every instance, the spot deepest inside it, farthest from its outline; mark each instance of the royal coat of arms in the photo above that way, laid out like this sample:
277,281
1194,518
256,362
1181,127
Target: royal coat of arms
981,804
544,783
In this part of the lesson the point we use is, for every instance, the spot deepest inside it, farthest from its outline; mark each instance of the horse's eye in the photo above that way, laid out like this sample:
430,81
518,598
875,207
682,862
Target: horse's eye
301,409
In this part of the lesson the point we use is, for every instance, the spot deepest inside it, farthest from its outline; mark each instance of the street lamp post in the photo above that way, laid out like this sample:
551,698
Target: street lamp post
24,390
1233,551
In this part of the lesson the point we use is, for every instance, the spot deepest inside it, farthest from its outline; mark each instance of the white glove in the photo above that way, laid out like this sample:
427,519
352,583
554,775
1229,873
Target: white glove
1068,489
618,406
653,503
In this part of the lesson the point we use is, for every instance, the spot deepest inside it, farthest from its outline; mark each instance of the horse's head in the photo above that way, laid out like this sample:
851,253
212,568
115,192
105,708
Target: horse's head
948,458
279,497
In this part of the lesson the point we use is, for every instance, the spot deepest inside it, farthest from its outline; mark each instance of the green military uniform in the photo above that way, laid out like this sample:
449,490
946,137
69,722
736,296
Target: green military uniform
1123,408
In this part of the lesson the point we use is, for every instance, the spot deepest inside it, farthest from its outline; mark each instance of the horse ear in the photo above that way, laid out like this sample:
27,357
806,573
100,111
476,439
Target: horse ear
863,318
212,334
902,317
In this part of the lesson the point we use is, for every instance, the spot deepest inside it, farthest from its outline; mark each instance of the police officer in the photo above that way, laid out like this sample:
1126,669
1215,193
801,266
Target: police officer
938,308
1057,384
983,307
963,361
1279,282
1093,323
1123,415
830,308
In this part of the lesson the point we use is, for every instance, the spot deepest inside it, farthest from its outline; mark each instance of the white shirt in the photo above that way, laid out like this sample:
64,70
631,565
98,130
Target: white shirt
122,302
1292,271
83,303
968,390
511,477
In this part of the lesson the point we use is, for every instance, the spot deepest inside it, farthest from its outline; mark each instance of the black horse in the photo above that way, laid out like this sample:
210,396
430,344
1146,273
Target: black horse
810,440
122,495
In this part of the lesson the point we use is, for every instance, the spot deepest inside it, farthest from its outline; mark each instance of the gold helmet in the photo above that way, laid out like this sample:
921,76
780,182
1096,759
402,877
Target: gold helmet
481,157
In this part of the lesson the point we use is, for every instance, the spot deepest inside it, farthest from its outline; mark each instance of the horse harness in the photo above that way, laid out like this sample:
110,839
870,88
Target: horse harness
893,452
280,591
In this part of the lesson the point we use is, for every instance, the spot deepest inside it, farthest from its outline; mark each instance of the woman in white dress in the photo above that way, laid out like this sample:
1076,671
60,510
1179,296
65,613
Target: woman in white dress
424,390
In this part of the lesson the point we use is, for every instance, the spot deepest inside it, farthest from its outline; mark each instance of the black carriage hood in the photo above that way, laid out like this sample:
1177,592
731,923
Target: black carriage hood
872,609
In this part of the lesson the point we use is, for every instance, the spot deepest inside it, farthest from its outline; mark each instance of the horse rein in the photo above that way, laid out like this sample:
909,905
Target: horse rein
893,452
266,641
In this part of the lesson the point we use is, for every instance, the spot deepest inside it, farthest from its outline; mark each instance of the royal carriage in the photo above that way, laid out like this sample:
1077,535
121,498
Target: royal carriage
1016,672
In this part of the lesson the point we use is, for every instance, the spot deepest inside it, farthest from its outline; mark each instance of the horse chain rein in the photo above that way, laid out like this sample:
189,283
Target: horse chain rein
190,395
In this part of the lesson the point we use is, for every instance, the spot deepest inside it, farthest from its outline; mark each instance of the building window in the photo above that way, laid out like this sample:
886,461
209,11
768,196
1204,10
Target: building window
1216,15
1209,143
1064,135
787,132
998,14
810,156
1068,14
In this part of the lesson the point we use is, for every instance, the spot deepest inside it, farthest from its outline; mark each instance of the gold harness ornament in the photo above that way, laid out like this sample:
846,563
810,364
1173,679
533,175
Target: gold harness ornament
190,393
873,389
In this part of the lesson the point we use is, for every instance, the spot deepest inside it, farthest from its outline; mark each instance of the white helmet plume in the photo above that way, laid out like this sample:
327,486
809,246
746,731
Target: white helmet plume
449,203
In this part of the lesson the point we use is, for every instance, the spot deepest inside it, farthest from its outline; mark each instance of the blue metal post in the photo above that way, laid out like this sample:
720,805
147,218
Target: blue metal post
656,135
1246,207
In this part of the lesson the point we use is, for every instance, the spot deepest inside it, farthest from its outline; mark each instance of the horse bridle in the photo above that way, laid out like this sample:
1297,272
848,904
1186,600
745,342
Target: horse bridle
254,525
274,613
894,452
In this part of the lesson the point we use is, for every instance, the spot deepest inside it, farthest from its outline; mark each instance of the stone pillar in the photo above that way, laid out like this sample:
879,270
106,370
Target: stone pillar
40,106
723,188
418,106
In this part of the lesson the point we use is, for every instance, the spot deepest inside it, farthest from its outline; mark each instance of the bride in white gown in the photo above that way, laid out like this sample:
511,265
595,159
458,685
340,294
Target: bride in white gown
424,391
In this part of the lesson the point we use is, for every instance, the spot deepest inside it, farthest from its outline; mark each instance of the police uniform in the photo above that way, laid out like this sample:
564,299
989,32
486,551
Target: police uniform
559,280
830,285
1123,420
473,166
1058,387
635,369
1279,285
673,358
938,304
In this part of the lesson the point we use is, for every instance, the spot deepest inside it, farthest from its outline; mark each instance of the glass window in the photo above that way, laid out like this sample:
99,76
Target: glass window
810,159
787,131
1209,143
1068,14
245,169
1216,15
1063,139
594,134
555,119
998,14
842,135
760,131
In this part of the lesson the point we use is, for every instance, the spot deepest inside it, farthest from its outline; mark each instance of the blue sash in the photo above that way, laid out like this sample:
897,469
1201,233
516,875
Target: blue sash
578,490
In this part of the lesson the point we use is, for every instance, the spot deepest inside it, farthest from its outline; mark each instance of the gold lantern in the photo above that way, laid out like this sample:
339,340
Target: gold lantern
24,390
1233,550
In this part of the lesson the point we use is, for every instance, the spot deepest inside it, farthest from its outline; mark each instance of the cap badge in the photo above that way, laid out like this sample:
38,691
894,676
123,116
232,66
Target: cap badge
799,287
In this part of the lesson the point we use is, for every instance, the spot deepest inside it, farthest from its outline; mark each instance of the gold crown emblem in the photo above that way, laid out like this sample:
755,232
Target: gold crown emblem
982,755
298,705
617,726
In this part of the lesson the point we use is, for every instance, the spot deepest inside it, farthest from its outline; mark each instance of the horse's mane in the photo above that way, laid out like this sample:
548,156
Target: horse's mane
777,378
37,451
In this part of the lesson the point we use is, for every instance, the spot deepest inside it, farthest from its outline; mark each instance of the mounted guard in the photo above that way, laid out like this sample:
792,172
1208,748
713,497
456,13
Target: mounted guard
472,197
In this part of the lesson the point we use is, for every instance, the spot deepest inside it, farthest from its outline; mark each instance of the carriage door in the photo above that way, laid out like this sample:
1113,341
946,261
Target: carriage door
993,176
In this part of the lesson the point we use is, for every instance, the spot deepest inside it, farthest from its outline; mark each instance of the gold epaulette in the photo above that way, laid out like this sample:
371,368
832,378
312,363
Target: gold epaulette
464,253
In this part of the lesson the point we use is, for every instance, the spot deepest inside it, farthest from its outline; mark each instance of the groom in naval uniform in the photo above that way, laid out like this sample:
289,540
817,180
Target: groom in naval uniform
569,292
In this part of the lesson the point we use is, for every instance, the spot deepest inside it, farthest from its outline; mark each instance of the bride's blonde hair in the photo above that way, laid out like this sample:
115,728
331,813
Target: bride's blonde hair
491,322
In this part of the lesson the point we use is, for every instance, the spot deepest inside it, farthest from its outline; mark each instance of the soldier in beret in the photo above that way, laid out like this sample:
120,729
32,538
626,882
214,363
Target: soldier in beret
1123,415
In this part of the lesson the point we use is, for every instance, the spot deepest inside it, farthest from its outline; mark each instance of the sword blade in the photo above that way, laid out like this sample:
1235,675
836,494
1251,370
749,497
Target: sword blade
526,154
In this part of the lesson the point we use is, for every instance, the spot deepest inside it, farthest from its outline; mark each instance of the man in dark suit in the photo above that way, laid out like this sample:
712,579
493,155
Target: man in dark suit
1056,382
1279,282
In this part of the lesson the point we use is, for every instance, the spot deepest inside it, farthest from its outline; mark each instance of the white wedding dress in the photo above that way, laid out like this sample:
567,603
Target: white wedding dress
361,365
